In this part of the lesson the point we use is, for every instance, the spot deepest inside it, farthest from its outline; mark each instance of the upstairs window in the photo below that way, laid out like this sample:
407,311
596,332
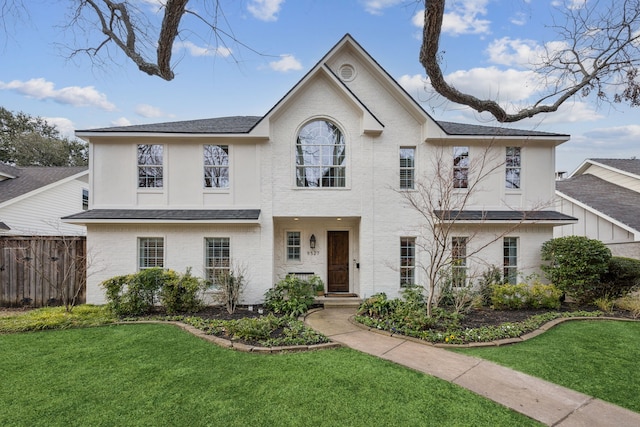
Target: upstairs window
85,199
458,261
460,167
407,167
513,164
320,156
150,173
216,166
150,252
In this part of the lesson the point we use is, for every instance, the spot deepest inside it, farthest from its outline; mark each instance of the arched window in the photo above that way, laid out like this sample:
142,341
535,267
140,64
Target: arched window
320,156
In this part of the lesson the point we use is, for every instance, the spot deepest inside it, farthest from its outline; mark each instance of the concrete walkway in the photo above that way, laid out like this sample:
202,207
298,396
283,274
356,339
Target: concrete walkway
548,403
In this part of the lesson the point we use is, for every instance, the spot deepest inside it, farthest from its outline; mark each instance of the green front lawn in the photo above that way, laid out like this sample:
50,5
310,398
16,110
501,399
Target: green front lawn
151,375
599,358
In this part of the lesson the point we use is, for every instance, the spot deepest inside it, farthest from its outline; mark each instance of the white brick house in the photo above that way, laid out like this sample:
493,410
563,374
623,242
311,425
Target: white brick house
315,185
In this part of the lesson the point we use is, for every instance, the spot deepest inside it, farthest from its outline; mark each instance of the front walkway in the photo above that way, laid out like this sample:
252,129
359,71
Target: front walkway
548,403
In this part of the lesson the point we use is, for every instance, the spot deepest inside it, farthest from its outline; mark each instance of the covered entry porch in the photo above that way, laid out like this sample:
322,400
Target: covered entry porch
324,246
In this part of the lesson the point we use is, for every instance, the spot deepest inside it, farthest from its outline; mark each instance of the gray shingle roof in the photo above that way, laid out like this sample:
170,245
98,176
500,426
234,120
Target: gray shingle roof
612,200
235,124
625,165
168,214
475,215
477,130
31,178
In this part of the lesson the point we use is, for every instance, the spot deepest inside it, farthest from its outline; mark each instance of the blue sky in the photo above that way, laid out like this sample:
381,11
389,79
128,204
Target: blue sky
486,43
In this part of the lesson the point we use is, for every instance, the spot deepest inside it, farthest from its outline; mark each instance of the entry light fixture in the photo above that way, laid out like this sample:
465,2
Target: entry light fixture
312,241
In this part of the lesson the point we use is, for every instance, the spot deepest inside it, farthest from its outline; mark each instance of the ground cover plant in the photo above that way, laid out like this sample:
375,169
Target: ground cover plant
598,358
140,375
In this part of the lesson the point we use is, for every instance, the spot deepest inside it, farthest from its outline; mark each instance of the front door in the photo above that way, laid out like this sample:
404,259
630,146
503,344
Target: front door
338,261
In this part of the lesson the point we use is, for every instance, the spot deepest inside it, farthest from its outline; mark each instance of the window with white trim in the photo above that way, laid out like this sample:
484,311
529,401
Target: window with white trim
217,258
321,156
513,165
85,199
510,260
458,261
216,166
460,167
150,171
407,167
150,252
407,261
293,246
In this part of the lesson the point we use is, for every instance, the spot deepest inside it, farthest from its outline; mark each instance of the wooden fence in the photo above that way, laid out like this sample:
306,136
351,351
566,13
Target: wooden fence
39,271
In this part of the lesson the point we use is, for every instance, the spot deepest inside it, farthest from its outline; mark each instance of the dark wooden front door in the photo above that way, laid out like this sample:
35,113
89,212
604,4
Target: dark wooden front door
338,261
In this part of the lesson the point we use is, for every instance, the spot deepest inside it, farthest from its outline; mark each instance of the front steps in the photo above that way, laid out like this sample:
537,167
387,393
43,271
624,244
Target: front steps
339,301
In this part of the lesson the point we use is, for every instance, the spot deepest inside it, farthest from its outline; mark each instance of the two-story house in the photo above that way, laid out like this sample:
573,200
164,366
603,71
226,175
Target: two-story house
313,186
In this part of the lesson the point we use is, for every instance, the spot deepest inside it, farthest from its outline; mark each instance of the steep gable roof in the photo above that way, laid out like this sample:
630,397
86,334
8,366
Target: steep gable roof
627,166
256,125
616,202
29,179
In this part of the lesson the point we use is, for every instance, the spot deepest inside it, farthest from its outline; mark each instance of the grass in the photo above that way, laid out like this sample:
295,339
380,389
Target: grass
599,358
140,375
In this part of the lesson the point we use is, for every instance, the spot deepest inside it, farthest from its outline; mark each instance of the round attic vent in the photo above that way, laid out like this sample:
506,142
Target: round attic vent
347,72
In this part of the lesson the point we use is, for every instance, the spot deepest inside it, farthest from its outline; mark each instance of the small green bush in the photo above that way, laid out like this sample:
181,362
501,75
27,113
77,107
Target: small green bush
576,264
514,297
290,296
622,277
182,293
509,297
492,276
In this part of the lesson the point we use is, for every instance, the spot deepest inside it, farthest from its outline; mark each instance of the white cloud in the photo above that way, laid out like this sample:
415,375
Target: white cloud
77,96
195,50
64,126
149,111
493,83
522,52
122,121
460,18
285,63
518,19
265,10
375,7
414,85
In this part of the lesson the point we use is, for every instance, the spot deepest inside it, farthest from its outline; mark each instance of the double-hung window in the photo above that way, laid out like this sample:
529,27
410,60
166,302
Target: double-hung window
458,261
460,167
321,156
293,246
150,252
85,199
217,258
512,168
407,167
216,166
150,170
407,261
510,260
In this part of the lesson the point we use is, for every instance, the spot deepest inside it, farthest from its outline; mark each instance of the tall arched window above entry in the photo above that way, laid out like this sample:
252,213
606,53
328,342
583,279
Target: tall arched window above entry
320,156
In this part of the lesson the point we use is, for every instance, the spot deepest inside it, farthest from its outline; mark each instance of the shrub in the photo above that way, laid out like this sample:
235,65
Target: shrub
492,276
544,296
290,296
229,287
182,293
514,297
509,297
575,265
622,277
630,303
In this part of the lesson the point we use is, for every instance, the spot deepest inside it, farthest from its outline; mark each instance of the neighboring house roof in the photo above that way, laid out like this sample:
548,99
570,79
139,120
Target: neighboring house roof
165,215
7,171
506,215
618,203
624,166
4,226
28,179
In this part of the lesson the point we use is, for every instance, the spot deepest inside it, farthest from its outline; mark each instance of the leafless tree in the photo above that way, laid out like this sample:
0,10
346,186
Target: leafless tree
599,53
441,198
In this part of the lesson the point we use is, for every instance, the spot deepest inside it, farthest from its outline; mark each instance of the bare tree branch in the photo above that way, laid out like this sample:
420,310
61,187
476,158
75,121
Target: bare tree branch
601,53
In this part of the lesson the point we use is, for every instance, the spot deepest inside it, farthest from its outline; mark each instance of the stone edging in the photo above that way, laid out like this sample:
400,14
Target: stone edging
544,328
234,345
